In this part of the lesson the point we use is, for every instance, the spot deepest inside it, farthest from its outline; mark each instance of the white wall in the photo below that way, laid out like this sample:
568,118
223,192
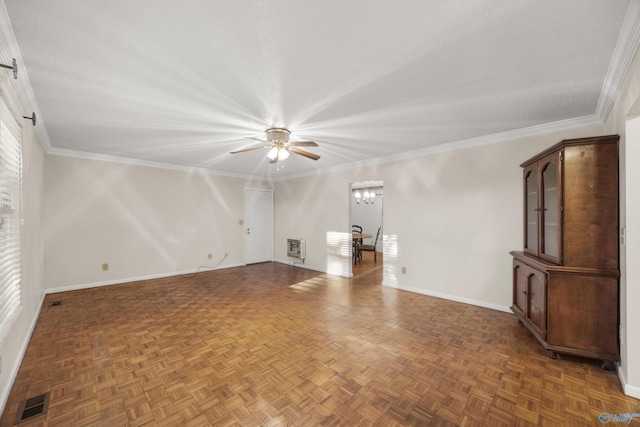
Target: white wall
627,106
141,221
630,288
310,208
450,218
33,159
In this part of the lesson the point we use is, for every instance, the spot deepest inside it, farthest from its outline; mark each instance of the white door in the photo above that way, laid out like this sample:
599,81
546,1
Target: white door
258,225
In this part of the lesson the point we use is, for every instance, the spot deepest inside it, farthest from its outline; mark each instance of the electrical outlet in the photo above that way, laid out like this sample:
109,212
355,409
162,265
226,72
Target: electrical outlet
622,237
105,267
404,270
621,335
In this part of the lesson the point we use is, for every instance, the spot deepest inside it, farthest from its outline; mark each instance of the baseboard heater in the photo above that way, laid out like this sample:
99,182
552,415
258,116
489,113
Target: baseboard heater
297,248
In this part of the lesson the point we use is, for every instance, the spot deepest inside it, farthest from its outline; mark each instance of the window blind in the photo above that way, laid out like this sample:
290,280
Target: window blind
10,214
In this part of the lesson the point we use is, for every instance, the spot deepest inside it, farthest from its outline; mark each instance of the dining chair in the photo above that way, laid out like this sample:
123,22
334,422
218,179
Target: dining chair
370,248
356,243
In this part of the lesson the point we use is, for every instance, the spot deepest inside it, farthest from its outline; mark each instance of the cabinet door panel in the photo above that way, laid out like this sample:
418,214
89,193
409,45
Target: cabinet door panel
537,300
519,287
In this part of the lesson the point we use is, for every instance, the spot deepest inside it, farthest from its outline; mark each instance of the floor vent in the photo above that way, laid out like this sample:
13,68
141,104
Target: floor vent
56,303
33,407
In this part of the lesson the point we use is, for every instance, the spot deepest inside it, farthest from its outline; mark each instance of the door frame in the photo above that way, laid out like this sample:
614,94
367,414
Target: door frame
365,184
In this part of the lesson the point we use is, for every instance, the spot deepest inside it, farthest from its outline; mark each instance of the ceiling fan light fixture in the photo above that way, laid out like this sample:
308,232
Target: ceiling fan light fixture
283,154
279,146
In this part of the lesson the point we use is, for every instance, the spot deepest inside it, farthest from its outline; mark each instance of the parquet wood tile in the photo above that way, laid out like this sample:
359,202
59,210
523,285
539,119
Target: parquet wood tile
274,345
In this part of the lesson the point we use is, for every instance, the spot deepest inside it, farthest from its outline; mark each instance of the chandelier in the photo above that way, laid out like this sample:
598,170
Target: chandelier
368,195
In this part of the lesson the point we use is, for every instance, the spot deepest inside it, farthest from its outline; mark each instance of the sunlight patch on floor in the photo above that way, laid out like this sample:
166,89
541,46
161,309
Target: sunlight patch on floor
309,284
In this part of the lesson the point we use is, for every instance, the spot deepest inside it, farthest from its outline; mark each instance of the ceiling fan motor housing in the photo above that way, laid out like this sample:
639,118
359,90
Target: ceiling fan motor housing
278,135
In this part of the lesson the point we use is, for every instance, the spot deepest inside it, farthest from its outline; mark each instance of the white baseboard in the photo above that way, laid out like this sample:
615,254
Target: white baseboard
136,279
15,368
629,390
632,391
448,297
300,264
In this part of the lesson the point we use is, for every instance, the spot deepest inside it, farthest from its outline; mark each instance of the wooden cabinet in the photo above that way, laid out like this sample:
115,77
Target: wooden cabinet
565,281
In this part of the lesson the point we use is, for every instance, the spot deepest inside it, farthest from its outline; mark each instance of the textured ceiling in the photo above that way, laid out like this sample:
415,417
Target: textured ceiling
184,82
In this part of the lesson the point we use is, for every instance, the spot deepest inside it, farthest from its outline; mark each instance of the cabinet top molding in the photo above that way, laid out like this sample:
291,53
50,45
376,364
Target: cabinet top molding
607,139
550,267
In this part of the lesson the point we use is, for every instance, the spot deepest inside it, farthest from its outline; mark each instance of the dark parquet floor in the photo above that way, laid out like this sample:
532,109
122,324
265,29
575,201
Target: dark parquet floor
275,345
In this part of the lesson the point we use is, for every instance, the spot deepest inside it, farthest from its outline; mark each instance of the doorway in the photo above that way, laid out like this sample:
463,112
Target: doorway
366,211
258,225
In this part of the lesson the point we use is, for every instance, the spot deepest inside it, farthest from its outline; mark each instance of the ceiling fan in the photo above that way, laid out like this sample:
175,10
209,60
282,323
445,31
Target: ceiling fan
280,147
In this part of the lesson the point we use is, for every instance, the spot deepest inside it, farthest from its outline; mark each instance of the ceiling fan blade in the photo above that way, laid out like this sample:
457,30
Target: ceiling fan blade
303,144
304,153
257,139
249,149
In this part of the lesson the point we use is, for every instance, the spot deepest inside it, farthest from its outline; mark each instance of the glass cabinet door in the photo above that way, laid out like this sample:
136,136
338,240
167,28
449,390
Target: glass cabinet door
531,210
550,205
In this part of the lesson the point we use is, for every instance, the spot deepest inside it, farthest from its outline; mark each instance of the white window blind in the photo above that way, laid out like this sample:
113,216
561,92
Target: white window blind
10,207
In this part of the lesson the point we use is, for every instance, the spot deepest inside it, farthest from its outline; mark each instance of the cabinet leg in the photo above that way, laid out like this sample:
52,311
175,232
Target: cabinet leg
608,365
553,355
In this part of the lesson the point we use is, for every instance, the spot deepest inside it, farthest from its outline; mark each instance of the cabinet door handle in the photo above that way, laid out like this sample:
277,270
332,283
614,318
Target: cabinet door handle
524,292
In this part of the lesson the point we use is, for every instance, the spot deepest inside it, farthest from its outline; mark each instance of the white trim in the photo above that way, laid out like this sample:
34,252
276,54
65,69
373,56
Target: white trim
448,297
628,389
632,391
136,279
4,396
623,54
301,265
64,152
532,131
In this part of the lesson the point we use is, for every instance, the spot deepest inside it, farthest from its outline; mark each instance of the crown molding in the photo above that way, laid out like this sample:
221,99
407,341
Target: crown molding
517,134
623,54
9,49
64,152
